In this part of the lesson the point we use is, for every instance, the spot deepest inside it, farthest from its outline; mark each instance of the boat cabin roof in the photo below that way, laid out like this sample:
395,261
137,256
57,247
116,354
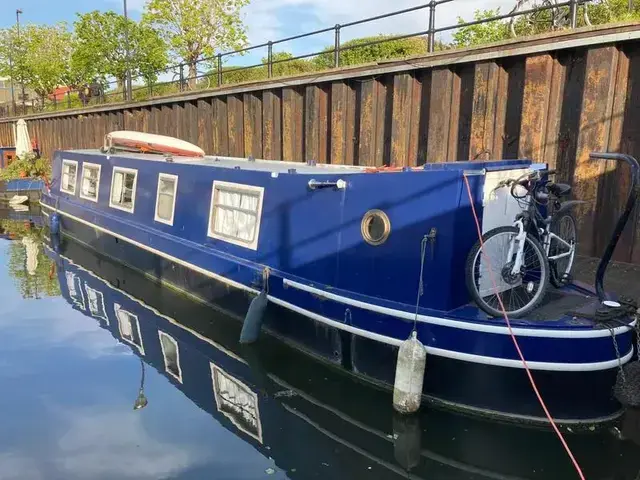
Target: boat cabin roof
282,166
237,162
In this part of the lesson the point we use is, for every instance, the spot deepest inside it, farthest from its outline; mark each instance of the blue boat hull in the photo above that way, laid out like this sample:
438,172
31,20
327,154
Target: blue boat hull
573,397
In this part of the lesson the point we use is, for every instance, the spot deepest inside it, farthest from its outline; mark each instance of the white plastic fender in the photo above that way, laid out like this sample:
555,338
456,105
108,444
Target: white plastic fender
407,388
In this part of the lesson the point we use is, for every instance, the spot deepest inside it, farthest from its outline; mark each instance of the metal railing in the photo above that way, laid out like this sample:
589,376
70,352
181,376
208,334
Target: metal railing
217,74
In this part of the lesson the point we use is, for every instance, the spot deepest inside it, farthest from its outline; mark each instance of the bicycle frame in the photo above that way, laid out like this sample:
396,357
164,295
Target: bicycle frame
528,223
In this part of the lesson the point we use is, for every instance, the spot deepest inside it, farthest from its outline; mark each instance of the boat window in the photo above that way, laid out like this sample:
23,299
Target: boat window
129,327
75,289
69,176
166,198
96,303
235,213
90,181
237,402
123,189
375,227
171,355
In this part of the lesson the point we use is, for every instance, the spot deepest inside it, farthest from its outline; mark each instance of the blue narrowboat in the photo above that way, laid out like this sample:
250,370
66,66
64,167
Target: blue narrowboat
342,253
264,395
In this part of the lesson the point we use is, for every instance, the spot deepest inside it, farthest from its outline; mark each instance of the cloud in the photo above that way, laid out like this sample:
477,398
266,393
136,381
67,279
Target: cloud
115,444
50,322
274,19
16,466
101,443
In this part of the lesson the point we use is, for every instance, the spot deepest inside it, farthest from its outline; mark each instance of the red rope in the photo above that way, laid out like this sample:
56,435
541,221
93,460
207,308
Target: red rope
515,340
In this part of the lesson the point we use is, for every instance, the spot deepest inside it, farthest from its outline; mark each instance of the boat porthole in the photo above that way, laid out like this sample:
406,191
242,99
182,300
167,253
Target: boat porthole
375,227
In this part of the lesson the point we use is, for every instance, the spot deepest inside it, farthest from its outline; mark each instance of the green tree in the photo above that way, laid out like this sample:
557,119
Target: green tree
352,54
100,47
196,29
39,55
34,277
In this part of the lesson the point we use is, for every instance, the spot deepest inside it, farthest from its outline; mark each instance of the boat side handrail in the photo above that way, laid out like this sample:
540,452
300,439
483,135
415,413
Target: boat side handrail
624,217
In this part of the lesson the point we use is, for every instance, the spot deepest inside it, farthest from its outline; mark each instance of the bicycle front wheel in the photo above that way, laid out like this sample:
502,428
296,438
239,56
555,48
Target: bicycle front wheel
490,273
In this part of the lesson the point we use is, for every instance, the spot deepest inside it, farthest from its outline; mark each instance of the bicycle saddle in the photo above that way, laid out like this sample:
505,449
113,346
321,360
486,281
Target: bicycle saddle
559,189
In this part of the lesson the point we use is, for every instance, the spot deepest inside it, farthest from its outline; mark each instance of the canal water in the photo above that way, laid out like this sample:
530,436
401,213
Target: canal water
105,374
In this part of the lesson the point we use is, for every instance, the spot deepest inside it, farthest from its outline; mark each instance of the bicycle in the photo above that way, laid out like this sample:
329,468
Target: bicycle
538,249
549,16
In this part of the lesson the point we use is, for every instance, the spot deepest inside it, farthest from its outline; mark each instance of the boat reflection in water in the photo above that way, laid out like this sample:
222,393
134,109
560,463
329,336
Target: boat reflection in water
301,411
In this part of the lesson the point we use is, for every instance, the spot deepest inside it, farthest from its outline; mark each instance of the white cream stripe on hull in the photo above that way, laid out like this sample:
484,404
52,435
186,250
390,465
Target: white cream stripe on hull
467,357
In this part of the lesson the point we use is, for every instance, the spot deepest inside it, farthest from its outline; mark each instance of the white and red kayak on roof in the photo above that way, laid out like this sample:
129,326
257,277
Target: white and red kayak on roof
150,143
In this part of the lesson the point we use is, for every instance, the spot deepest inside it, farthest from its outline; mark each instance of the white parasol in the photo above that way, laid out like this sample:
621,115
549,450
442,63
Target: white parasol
23,142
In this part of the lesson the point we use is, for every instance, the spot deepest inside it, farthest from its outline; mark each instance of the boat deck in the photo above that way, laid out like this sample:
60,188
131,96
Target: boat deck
558,303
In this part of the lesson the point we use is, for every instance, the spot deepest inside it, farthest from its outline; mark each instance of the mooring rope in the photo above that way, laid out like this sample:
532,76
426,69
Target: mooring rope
423,249
515,340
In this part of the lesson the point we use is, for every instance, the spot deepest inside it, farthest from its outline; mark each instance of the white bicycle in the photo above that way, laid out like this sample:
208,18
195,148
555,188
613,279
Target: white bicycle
516,263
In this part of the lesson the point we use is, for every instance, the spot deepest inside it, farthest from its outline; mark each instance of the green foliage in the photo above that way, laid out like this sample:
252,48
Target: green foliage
399,48
194,29
100,49
27,166
608,11
284,66
481,33
40,55
39,282
599,12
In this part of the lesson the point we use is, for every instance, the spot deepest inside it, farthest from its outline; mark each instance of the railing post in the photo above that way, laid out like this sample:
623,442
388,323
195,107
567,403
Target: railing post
573,11
270,59
181,76
336,47
432,26
68,98
219,69
55,100
630,6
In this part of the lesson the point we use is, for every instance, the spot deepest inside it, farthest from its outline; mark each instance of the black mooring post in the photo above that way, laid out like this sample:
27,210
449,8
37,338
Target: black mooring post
622,221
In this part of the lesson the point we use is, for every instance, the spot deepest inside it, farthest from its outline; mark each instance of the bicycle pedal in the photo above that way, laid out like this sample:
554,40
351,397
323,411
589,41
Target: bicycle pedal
566,279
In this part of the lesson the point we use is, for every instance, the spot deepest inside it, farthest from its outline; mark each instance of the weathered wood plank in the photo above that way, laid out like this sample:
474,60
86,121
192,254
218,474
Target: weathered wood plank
311,127
616,180
439,120
292,134
324,135
595,121
205,117
535,106
235,117
220,128
338,114
402,98
252,107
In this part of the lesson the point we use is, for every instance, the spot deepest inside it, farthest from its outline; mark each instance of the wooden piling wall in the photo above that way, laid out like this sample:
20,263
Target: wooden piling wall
552,98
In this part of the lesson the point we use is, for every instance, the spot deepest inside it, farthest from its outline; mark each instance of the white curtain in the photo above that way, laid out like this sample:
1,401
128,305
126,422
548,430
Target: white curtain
124,320
234,223
118,184
165,199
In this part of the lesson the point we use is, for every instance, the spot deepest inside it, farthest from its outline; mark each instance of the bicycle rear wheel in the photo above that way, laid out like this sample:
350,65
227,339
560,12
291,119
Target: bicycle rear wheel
564,227
489,275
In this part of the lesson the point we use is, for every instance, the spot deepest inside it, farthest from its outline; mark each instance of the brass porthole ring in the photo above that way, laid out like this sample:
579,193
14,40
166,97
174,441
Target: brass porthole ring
375,227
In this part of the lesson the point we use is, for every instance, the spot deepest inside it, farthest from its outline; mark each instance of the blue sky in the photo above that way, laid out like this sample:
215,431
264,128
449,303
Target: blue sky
273,19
